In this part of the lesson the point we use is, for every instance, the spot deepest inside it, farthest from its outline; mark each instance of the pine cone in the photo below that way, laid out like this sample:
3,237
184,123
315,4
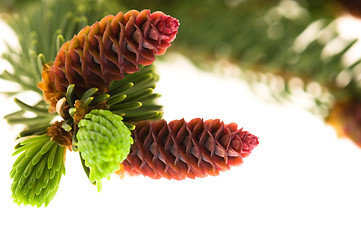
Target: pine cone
104,142
108,49
179,150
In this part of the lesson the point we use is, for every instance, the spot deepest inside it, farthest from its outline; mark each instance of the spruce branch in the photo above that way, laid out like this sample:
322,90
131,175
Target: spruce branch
102,84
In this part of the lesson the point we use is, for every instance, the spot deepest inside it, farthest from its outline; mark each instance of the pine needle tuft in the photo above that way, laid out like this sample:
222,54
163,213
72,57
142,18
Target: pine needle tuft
37,171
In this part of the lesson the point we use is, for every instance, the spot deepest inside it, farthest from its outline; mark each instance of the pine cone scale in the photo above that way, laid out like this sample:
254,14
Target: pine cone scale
181,148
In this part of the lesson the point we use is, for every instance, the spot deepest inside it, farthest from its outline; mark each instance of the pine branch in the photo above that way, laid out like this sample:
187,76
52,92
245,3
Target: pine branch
101,83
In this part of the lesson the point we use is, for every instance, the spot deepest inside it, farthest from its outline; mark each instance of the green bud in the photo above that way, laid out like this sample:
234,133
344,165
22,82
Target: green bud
104,142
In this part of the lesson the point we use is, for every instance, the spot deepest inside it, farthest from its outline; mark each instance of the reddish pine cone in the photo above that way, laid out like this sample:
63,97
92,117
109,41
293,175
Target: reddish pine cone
180,150
108,49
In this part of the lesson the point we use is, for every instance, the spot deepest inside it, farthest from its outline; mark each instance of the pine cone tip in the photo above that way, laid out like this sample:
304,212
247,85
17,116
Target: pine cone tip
249,142
168,27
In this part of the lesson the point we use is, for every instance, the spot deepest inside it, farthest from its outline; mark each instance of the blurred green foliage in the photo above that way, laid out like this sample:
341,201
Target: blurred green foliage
284,39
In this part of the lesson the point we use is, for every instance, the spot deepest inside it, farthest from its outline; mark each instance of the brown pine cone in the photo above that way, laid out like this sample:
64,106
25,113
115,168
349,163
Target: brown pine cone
179,150
108,49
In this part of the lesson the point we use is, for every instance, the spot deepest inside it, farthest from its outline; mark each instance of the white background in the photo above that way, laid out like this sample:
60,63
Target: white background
301,182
